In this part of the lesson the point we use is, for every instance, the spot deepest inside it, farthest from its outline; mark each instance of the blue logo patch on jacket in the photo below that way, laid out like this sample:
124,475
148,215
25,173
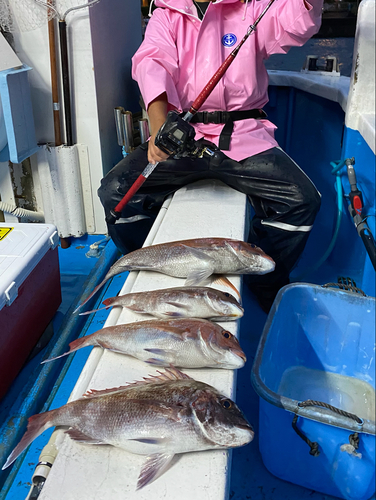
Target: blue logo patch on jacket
229,39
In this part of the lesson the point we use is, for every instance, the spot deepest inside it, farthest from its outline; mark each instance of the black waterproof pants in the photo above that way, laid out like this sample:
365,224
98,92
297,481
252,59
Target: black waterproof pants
284,200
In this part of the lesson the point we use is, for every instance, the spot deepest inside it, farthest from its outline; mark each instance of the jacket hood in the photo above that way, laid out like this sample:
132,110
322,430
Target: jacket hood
182,4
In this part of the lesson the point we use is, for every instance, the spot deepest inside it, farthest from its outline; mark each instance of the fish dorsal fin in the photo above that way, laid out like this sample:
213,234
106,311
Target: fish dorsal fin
170,373
92,393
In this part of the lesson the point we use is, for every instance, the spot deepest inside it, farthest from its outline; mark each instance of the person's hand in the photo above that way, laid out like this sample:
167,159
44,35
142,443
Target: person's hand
155,154
157,115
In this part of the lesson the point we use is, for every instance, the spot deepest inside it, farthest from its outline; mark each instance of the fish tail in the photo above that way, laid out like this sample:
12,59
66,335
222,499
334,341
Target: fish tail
73,346
92,294
109,302
37,424
92,311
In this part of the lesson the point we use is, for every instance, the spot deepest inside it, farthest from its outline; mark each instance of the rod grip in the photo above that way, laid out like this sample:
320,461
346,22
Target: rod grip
132,190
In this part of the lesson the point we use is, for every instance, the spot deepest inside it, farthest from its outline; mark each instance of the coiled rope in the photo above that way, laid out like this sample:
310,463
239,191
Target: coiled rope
314,446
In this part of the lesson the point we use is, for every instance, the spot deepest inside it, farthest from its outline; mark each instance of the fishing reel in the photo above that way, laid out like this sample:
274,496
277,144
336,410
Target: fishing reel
176,138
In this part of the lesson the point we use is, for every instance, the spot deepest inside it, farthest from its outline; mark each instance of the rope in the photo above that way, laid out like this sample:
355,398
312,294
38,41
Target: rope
310,402
314,451
342,286
354,440
314,447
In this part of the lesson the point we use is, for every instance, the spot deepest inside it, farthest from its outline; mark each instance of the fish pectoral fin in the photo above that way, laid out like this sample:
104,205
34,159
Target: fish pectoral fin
176,314
155,350
199,254
136,309
198,276
236,254
79,436
150,440
201,270
163,357
157,362
179,305
171,314
154,467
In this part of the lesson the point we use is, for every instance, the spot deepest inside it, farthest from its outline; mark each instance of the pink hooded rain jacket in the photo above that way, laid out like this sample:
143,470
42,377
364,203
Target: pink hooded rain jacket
180,54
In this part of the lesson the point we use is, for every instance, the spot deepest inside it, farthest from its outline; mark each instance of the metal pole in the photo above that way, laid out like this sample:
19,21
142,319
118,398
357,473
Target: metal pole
66,84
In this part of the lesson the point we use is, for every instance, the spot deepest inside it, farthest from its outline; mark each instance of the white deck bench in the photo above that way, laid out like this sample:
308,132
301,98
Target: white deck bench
87,472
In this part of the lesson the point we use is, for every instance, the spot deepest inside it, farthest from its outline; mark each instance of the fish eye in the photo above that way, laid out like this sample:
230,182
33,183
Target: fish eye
227,404
226,335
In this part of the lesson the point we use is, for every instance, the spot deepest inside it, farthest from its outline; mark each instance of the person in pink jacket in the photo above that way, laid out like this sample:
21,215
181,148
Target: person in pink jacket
185,43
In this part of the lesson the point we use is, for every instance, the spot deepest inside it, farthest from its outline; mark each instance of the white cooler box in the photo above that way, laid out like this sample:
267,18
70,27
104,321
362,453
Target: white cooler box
30,292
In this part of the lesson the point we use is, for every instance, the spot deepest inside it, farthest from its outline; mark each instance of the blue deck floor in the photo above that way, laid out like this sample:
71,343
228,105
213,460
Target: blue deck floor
249,477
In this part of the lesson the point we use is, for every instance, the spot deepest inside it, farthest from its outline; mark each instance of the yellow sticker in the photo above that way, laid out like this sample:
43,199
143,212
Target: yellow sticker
4,231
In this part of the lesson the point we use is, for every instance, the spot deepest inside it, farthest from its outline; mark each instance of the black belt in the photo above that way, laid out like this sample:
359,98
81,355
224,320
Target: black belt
228,118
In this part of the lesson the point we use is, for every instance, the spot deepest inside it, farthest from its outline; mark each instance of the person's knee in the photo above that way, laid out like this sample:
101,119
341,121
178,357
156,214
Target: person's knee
312,199
112,188
307,201
106,191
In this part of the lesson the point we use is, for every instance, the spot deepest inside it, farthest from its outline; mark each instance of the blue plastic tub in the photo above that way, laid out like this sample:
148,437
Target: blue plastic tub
319,344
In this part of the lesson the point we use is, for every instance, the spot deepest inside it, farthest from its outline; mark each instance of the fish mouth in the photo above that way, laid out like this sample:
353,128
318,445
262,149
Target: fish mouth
270,263
238,314
251,433
248,431
240,354
246,427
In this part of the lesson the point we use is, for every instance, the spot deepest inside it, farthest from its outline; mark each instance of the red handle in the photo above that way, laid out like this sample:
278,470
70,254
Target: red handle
132,190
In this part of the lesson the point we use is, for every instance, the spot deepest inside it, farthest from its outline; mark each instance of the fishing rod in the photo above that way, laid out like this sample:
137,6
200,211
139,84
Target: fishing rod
356,208
176,135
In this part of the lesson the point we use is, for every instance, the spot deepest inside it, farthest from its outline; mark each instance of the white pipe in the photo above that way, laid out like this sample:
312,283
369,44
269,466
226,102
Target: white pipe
61,187
21,212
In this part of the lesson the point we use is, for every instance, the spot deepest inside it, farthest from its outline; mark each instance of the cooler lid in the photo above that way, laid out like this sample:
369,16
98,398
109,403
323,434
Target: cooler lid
22,247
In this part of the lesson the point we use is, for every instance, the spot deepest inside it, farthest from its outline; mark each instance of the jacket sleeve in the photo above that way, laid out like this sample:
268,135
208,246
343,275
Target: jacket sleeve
155,64
289,23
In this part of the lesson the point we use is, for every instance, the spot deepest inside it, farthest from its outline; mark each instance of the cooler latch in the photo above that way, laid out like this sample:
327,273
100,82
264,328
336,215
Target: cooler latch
11,293
54,240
